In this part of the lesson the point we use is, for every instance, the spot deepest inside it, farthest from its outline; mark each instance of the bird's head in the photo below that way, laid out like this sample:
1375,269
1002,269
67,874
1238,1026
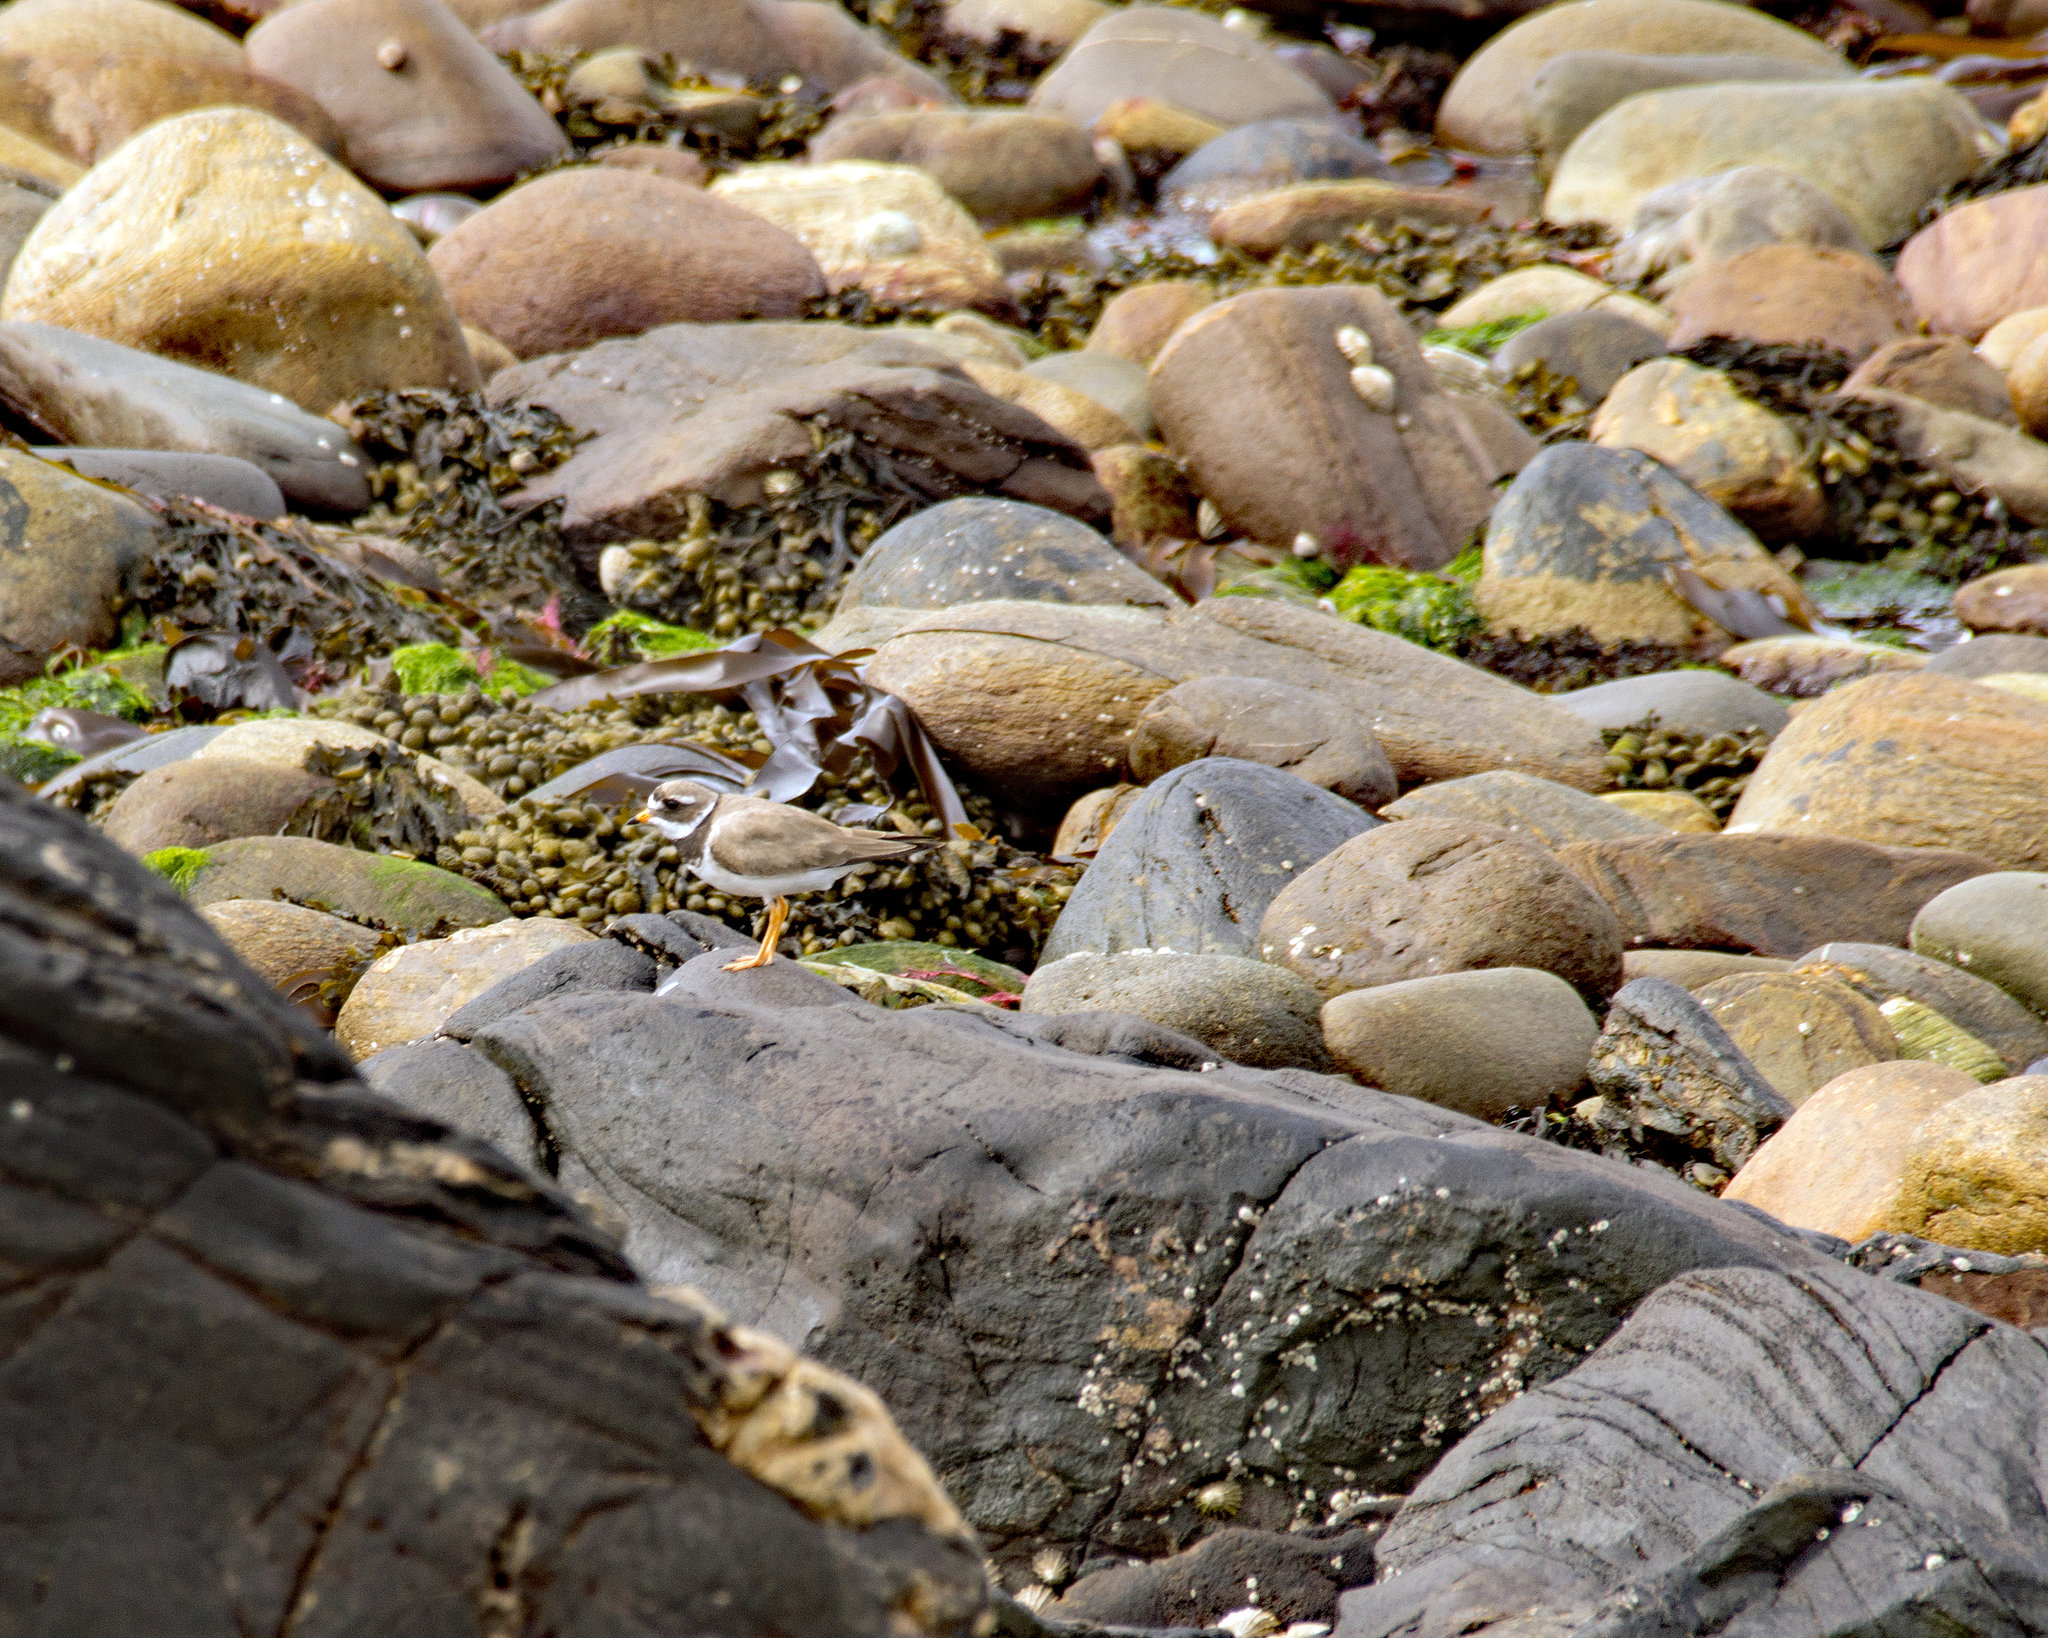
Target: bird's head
678,806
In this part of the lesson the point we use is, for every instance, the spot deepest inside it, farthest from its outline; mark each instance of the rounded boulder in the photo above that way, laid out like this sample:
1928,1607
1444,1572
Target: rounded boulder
1255,720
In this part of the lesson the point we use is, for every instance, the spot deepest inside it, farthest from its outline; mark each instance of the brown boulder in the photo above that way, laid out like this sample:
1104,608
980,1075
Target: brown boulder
677,164
1003,165
709,36
1920,761
1793,293
1308,214
1430,896
65,545
1773,895
306,953
1310,411
1979,262
198,802
712,409
419,102
1939,370
1305,733
87,107
2009,600
578,256
1976,1170
1136,323
1836,1165
1799,1030
86,28
225,239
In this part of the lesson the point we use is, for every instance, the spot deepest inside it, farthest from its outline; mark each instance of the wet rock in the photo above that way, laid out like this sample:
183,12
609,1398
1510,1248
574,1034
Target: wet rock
1249,1011
226,481
249,1242
1250,720
1540,809
85,391
1187,62
578,256
1770,894
1664,1066
1687,702
1978,263
1595,348
296,949
890,230
1995,928
2007,600
1260,398
1268,154
1430,896
1696,969
1551,291
196,803
134,257
1795,294
1002,165
1482,1043
1691,1463
1910,761
1941,370
65,544
408,994
1136,323
1974,1173
419,102
1970,1001
1804,666
1572,90
1728,447
1264,1190
1684,226
756,385
1880,149
1117,384
1295,1577
395,895
1197,857
439,1081
1799,1030
1992,656
1836,1165
1584,537
974,550
1487,107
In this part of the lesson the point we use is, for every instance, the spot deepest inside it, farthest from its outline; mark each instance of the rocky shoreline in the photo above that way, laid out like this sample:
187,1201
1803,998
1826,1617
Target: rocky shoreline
1456,600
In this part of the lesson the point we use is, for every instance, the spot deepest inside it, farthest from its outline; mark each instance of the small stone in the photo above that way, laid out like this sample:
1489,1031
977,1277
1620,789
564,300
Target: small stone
1595,348
1118,385
1976,1170
1663,1065
2007,600
1695,969
1701,703
1802,667
1003,165
1250,1012
1994,928
1073,414
1684,226
408,994
1550,291
1799,1030
65,545
1150,501
226,481
1939,370
1091,819
1483,1043
1308,214
1430,896
1836,1166
1796,294
1136,323
1266,722
1264,155
2001,654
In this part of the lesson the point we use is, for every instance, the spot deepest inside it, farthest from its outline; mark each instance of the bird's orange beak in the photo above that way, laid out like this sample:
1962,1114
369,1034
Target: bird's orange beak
642,817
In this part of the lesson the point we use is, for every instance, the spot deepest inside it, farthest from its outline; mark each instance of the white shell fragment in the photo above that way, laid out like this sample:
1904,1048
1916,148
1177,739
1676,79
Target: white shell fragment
1354,344
1375,384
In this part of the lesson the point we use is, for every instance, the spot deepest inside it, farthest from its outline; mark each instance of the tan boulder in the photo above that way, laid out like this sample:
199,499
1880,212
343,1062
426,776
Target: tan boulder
1980,263
1137,322
1551,291
1310,411
1793,293
90,28
1003,165
65,544
1976,1170
1799,1030
1911,761
1836,1166
418,100
195,804
1485,109
1307,214
1728,447
308,954
1939,370
1079,417
225,239
1153,133
411,992
890,230
2008,600
2008,338
580,255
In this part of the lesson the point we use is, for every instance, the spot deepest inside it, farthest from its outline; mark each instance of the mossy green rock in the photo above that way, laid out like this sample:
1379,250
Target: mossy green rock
956,969
412,899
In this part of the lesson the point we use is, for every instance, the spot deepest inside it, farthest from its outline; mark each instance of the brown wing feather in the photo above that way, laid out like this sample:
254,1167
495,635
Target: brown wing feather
792,839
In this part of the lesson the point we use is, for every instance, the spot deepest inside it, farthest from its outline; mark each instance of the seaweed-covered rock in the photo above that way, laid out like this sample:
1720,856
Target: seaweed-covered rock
281,1353
376,890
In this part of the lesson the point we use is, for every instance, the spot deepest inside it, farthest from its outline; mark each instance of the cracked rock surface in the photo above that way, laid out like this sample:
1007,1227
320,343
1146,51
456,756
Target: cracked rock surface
277,1357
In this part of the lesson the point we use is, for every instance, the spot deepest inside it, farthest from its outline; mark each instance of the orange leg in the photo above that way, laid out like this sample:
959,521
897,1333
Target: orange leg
778,913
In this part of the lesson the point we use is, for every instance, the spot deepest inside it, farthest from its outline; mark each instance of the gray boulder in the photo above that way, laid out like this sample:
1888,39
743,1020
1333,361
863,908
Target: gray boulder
1686,702
1250,1011
226,481
1194,862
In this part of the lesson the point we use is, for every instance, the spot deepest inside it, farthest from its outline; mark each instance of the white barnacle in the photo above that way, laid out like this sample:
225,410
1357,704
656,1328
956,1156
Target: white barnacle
1374,383
1354,344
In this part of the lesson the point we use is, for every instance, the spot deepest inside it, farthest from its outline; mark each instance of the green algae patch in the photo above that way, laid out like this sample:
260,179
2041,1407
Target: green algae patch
180,866
622,638
1435,610
440,668
1485,337
88,688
